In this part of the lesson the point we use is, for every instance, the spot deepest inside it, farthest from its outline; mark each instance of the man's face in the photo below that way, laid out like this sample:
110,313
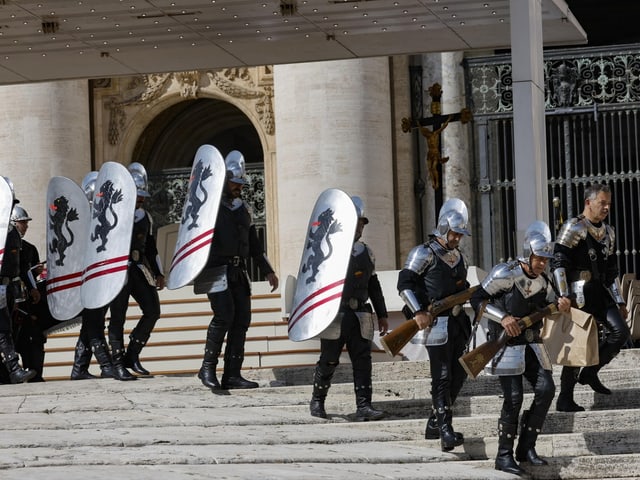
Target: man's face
538,264
359,229
596,210
234,189
453,239
22,226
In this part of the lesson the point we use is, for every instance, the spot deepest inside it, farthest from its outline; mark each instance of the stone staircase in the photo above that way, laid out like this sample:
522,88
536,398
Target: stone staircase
173,427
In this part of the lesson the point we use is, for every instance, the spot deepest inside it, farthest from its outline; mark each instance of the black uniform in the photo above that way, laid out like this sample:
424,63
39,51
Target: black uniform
586,252
512,291
14,290
235,240
32,319
361,283
142,272
433,272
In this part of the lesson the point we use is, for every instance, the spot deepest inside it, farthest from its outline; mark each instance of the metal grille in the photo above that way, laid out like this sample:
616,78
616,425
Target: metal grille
592,128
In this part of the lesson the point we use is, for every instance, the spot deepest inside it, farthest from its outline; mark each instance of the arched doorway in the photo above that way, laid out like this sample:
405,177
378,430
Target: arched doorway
167,148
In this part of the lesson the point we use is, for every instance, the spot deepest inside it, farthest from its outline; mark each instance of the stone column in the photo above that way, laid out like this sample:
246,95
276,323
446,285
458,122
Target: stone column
45,132
447,70
333,130
528,114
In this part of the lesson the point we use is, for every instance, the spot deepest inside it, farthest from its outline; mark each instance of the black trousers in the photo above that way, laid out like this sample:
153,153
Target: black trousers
512,387
146,296
447,375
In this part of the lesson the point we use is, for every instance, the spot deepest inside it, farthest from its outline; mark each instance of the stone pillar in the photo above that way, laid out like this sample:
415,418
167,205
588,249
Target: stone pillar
447,70
333,130
528,114
45,132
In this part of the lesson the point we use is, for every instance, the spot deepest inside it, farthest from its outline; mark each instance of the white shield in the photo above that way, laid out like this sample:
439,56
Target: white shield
107,254
323,266
6,205
198,217
68,218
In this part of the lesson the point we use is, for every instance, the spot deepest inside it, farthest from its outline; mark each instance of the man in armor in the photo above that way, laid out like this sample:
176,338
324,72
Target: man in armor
228,286
12,292
33,316
144,279
356,329
432,271
514,290
91,338
586,271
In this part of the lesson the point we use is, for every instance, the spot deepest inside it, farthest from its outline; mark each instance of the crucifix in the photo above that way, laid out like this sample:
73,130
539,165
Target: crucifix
438,122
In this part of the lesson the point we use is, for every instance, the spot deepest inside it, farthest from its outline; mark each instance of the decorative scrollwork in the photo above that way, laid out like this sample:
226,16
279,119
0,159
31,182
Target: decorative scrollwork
573,78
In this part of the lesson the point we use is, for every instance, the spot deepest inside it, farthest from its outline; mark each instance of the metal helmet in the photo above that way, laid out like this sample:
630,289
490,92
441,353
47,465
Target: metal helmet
139,174
19,214
453,217
89,184
537,241
357,201
234,162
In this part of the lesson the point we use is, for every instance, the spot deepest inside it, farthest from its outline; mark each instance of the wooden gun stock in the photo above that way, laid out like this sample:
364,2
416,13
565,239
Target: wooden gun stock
395,340
474,361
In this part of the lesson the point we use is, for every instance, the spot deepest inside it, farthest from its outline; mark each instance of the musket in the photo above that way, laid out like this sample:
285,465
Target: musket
395,340
474,361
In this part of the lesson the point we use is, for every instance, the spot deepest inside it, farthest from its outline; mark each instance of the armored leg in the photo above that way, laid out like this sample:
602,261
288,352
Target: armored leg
568,380
504,460
530,428
81,362
321,385
10,359
132,356
117,358
212,349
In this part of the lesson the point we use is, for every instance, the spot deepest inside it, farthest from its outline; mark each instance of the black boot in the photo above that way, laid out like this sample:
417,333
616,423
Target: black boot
207,375
530,428
432,432
10,359
320,389
364,411
231,378
117,358
448,438
589,376
81,362
132,357
212,349
504,460
568,380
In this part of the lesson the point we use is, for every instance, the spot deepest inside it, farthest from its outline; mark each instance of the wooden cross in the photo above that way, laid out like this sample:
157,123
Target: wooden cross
438,122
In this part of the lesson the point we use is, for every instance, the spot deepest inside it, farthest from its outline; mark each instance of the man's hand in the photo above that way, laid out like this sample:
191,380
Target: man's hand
272,278
423,319
160,283
383,325
35,295
624,313
564,304
510,325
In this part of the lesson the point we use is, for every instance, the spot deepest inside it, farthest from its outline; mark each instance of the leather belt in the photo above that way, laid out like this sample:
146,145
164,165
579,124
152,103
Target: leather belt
236,261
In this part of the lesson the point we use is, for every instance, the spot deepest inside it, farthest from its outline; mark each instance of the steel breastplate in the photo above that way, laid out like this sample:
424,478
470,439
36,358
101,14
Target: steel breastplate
443,278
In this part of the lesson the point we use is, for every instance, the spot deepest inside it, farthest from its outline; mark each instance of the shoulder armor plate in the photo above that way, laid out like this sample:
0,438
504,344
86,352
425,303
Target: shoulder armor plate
502,277
572,232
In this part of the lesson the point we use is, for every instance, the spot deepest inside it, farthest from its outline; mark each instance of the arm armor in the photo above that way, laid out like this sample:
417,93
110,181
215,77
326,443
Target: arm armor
501,278
419,259
560,277
615,292
494,313
572,232
410,300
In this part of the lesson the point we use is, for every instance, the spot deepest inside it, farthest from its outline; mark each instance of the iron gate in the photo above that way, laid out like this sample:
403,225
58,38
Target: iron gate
593,136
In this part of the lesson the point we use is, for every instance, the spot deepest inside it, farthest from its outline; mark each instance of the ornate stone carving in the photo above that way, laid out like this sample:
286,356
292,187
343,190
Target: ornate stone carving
233,82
